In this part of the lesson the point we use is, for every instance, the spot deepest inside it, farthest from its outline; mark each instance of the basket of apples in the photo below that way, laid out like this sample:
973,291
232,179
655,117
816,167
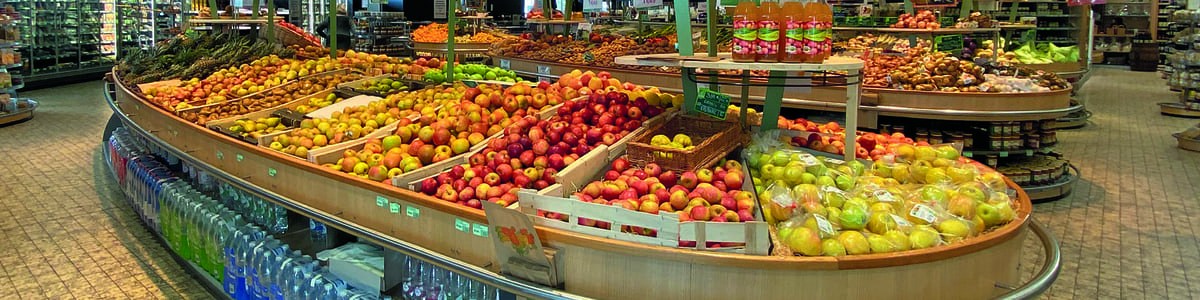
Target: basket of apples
674,145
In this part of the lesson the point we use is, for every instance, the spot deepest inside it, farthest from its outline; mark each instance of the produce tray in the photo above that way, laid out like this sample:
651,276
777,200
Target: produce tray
356,86
222,125
197,109
718,138
408,180
670,231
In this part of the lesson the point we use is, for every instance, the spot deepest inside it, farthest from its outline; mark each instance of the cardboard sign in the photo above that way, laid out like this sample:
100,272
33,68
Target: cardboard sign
518,247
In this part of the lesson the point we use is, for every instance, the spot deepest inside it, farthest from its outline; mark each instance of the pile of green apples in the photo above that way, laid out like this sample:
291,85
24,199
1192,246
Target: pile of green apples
826,207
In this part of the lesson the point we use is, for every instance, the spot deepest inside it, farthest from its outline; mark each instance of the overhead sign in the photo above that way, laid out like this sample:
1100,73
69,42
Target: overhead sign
646,3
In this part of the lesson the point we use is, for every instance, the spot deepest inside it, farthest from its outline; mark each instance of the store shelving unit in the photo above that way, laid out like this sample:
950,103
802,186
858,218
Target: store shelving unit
1167,27
65,38
382,33
1181,70
146,22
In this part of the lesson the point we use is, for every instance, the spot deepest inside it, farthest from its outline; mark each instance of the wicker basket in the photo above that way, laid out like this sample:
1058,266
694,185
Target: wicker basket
713,139
288,37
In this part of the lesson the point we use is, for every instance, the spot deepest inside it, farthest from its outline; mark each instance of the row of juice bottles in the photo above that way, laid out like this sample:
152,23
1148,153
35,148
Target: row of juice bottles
794,31
232,238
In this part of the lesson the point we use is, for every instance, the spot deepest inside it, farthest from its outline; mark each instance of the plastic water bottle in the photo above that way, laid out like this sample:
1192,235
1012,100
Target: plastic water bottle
237,241
262,258
319,234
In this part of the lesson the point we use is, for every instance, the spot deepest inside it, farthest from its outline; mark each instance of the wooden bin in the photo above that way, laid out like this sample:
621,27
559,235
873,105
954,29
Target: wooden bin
718,138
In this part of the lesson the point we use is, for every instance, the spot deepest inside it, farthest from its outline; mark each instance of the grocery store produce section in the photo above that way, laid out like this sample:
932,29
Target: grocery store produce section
617,171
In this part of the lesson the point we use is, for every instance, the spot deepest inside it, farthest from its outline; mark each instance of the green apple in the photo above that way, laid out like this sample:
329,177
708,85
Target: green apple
881,223
936,175
854,242
808,178
834,199
844,182
923,237
853,218
918,169
754,160
902,172
899,239
805,241
926,153
1007,213
825,181
781,158
954,230
962,174
947,152
832,247
973,191
857,167
933,193
793,174
818,170
833,213
880,244
881,170
778,173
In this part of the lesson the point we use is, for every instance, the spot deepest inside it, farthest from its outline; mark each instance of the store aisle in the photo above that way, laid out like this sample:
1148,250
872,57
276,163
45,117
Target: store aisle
65,229
1129,230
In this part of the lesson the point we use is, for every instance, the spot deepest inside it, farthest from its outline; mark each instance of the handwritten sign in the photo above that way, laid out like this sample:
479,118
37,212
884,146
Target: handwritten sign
949,43
712,103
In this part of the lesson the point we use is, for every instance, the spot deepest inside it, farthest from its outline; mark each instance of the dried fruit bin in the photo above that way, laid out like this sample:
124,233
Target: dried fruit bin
718,138
669,231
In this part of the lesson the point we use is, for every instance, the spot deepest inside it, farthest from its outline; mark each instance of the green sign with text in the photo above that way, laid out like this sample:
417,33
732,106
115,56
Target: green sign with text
712,103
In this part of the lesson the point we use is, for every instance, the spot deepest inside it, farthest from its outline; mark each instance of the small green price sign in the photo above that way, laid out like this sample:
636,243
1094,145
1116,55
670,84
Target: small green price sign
949,43
712,103
470,83
380,201
412,212
394,208
220,155
240,158
271,172
479,230
505,64
461,225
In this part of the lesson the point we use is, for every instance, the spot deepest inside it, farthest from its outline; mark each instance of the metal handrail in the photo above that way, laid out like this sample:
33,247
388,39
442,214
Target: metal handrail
1050,267
512,285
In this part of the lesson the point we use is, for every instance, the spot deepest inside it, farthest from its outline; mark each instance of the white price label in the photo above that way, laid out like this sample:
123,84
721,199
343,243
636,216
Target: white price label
646,3
824,225
885,196
809,159
920,211
585,26
901,221
505,64
831,189
543,70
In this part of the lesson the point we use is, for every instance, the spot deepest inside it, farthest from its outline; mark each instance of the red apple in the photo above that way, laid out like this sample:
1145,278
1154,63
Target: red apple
611,175
620,164
688,180
705,175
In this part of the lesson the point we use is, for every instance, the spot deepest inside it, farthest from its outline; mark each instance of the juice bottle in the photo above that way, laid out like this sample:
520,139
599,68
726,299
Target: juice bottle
818,31
792,40
745,31
767,47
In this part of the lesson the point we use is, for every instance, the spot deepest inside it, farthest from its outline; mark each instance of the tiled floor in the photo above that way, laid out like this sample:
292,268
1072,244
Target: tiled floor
1129,231
65,231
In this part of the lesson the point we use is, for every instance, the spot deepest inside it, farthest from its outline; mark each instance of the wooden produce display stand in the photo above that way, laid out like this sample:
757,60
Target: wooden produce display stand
592,266
875,102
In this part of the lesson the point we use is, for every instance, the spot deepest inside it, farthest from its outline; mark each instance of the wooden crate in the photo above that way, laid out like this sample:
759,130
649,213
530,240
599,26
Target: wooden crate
558,198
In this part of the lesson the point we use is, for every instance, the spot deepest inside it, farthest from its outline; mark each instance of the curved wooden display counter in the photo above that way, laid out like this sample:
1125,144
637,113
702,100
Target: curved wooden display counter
594,266
874,101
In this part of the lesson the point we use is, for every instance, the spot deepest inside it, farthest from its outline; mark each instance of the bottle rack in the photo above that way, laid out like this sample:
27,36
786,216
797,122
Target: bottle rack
65,38
382,33
146,22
